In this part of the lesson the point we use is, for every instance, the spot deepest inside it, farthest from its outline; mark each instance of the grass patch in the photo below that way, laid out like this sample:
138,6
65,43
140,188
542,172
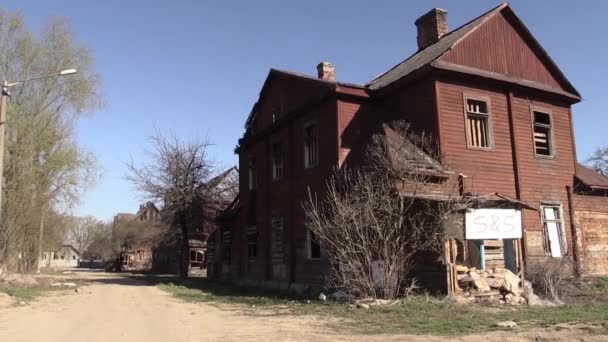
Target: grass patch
420,315
31,292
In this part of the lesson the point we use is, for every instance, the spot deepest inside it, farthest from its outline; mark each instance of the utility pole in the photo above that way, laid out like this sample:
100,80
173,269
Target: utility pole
3,103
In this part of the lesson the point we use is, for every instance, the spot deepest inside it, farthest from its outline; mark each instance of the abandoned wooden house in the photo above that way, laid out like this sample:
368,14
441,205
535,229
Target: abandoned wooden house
501,110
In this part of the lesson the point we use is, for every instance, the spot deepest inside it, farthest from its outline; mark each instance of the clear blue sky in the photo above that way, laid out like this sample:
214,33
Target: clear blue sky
196,67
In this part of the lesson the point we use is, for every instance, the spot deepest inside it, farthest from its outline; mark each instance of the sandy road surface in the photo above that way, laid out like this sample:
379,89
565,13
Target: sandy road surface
115,309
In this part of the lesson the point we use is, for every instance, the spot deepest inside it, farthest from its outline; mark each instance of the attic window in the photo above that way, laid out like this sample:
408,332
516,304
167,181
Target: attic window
543,144
478,126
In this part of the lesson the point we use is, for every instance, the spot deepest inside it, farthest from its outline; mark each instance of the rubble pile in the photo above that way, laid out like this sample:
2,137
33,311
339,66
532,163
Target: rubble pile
496,284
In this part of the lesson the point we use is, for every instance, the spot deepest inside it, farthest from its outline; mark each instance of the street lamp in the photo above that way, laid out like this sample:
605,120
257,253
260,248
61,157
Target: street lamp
3,101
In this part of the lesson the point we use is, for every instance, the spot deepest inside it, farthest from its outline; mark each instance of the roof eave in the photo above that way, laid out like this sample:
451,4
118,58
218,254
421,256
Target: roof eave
466,70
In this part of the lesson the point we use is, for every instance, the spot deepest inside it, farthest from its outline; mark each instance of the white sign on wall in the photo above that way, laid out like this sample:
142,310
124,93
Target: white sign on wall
488,224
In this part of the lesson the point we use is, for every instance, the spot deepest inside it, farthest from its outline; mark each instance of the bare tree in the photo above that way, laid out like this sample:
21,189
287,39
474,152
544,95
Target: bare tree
176,176
599,160
83,230
375,219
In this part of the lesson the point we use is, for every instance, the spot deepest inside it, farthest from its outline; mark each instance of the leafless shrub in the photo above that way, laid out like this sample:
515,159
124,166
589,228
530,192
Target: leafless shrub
550,276
374,220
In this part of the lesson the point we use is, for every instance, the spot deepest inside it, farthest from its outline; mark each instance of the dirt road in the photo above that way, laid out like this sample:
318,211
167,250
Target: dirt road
116,309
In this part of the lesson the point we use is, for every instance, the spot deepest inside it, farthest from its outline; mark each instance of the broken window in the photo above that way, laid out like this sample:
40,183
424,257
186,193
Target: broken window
310,145
478,124
277,161
543,145
312,245
554,236
252,173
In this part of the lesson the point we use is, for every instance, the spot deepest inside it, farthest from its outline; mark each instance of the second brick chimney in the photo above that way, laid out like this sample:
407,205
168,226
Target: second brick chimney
431,27
326,71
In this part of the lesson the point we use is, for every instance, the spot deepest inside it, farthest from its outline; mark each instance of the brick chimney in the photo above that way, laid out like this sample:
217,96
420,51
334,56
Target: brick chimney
326,71
431,27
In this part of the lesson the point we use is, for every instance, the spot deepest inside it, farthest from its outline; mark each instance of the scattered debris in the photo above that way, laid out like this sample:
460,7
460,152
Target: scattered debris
322,296
76,290
532,298
63,284
497,284
506,324
22,303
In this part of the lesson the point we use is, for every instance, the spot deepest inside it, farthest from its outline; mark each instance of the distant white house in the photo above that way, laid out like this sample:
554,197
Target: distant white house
66,256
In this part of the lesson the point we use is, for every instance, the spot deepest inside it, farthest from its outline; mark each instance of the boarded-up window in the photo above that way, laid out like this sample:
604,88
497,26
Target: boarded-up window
277,161
478,124
543,144
310,145
554,236
277,241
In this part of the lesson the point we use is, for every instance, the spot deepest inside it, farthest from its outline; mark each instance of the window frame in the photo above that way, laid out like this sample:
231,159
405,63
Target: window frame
490,130
563,243
551,137
306,153
277,176
251,172
251,237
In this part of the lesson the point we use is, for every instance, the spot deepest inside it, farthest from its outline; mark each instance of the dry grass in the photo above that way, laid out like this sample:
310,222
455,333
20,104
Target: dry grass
418,315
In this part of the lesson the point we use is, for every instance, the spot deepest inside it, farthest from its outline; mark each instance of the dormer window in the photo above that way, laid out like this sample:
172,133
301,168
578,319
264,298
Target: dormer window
543,139
478,124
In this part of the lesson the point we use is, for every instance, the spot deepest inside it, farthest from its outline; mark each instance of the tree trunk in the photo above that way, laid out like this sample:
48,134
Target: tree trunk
184,264
40,238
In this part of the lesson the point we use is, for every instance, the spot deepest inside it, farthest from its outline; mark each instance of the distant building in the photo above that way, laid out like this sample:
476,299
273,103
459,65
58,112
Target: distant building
65,256
137,256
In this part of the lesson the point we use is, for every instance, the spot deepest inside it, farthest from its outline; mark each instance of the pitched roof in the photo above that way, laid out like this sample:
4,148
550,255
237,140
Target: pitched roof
591,178
431,54
426,56
403,151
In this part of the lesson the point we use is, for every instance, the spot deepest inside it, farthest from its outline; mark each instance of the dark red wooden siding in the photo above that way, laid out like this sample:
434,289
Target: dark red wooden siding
491,171
498,47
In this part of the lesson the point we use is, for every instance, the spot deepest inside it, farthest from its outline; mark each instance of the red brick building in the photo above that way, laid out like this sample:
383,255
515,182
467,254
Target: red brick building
500,108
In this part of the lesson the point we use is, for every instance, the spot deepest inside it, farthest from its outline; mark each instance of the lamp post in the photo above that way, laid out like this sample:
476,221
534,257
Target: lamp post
3,103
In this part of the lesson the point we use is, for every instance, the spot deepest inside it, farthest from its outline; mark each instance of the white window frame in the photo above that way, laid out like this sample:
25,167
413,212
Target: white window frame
309,161
554,232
